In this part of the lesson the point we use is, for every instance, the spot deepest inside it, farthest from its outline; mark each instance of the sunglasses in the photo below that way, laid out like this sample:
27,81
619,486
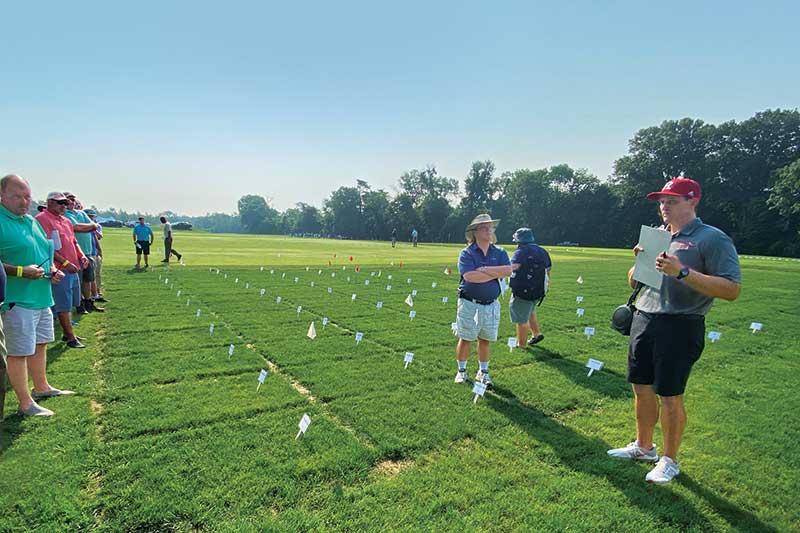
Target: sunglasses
61,202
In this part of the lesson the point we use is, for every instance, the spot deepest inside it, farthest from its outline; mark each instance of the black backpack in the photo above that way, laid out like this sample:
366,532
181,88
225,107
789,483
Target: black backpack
527,282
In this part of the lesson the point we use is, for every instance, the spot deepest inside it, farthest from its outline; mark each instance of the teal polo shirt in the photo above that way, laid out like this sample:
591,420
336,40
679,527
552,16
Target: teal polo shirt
702,248
142,232
84,239
24,242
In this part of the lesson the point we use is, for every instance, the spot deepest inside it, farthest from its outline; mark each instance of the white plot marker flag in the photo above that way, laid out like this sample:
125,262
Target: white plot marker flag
580,311
299,309
579,299
312,283
261,377
454,327
330,290
359,337
236,280
388,287
211,329
296,279
353,297
278,300
580,280
412,314
408,358
197,315
593,365
379,305
166,280
262,269
756,326
312,332
272,271
409,301
588,332
389,277
247,285
303,425
188,300
263,292
230,351
714,335
408,281
324,322
179,293
479,389
414,292
433,285
444,299
512,343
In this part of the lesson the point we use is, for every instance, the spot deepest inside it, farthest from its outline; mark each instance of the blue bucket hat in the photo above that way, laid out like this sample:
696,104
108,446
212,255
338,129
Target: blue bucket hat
523,236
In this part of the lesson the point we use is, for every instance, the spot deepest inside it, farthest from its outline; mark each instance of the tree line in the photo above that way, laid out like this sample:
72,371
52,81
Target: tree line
749,171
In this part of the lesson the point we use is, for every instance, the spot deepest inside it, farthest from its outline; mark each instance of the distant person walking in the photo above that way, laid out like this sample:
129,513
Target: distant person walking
481,264
142,238
394,237
68,255
668,330
414,236
28,321
168,241
529,284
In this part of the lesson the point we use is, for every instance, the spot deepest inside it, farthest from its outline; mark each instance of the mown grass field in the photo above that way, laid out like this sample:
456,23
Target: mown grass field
169,433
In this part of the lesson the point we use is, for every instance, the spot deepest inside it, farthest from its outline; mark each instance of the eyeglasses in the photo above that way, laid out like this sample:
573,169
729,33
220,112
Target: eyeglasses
61,202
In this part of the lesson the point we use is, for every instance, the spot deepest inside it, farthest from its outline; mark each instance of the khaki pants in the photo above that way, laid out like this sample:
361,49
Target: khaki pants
98,268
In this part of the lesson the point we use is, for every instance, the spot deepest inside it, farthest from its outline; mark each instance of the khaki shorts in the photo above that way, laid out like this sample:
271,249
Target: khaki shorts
477,321
25,328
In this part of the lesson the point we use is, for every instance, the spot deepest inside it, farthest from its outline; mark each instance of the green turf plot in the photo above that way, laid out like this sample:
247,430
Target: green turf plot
140,344
191,403
251,468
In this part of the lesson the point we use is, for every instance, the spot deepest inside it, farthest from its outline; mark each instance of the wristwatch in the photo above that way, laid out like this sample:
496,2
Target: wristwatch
683,273
482,269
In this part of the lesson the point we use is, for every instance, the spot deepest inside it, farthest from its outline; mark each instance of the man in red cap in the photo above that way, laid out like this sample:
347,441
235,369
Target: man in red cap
668,329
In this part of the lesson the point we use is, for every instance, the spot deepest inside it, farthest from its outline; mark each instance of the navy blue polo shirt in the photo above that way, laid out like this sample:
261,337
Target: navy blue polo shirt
472,258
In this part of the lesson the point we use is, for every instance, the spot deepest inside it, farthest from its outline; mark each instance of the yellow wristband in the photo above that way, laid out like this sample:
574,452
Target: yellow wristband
19,271
65,263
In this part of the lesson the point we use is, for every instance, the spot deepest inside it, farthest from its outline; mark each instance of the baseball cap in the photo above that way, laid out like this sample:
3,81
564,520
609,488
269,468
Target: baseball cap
68,194
678,187
90,212
56,196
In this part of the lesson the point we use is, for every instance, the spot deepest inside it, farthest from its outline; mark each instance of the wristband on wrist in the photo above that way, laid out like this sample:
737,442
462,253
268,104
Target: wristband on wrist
65,263
19,271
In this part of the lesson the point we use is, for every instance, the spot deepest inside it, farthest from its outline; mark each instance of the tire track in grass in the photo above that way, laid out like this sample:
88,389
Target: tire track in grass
362,439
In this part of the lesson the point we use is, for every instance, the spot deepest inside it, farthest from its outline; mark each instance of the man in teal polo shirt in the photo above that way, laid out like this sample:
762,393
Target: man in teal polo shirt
26,254
142,238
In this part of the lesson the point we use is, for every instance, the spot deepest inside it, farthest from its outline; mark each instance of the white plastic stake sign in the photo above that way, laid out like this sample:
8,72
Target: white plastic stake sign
588,332
353,297
388,287
246,285
262,270
278,300
714,335
312,283
272,271
372,274
433,285
324,322
389,276
366,282
230,351
408,358
380,272
479,389
319,272
303,425
211,329
330,290
225,276
296,279
312,332
408,281
283,275
236,280
333,275
512,343
261,377
197,315
263,292
166,280
409,301
454,327
414,292
299,309
579,299
593,365
359,337
306,269
412,314
379,305
188,300
444,299
580,311
179,293
756,326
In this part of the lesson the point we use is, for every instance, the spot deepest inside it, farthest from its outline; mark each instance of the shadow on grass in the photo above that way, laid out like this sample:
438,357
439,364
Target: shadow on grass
607,382
10,429
588,455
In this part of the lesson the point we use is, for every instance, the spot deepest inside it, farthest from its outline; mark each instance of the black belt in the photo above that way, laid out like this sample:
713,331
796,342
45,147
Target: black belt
475,300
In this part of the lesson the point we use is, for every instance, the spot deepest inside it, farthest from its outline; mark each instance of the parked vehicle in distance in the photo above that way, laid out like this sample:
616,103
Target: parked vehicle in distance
182,226
109,222
567,243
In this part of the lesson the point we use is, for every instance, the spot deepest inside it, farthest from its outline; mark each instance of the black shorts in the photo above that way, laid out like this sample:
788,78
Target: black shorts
142,247
663,349
87,274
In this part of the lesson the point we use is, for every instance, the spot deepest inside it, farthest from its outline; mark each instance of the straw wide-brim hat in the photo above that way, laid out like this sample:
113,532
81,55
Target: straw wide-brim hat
477,221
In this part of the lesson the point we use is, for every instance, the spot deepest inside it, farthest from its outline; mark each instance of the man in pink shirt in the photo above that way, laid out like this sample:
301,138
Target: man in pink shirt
70,259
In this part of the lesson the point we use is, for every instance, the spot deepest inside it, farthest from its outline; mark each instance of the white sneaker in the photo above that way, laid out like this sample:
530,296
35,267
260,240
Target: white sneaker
665,470
484,378
635,453
461,376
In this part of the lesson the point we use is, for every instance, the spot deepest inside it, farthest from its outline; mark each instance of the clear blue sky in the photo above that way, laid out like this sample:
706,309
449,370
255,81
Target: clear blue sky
188,106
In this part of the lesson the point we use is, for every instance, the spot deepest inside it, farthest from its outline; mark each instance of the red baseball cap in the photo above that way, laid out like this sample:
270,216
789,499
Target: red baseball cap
678,187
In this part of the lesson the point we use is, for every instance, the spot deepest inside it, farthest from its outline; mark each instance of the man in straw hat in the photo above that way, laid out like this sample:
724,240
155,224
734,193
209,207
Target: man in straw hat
481,264
668,329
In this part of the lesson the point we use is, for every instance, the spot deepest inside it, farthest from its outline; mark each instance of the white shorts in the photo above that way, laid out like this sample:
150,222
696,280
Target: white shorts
25,328
476,320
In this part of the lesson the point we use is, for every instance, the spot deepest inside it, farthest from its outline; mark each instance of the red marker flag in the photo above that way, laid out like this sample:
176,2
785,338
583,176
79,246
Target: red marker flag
351,258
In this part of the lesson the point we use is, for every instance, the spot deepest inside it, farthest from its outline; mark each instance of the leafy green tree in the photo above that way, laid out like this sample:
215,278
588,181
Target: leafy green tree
343,214
257,216
479,187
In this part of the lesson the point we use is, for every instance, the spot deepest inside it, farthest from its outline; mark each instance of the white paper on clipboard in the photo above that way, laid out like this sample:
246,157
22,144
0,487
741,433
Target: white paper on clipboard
654,242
